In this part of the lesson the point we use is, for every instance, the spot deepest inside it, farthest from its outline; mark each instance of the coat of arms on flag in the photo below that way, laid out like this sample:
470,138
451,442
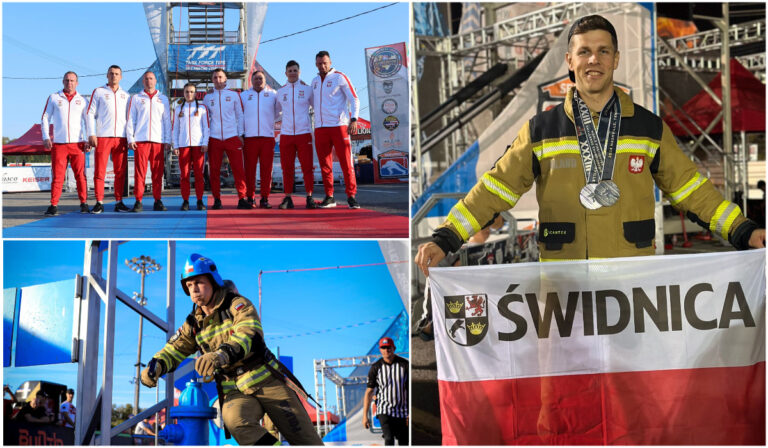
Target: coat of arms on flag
466,318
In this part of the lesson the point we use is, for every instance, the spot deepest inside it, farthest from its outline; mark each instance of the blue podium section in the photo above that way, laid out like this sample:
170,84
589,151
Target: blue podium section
44,333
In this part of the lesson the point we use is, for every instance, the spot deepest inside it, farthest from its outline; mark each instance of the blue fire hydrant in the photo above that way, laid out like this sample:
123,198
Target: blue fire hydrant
193,415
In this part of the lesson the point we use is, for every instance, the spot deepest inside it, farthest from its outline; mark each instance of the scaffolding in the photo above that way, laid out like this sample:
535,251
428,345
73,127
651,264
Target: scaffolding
93,290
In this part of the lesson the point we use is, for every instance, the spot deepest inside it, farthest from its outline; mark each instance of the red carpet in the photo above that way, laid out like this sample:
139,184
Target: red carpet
338,222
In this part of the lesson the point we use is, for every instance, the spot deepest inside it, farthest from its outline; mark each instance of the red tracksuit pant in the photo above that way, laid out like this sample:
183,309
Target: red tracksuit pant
325,140
290,146
259,150
153,153
195,157
216,150
60,153
118,149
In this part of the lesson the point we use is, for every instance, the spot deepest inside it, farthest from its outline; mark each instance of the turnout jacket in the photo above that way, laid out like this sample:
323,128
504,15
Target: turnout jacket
546,151
234,327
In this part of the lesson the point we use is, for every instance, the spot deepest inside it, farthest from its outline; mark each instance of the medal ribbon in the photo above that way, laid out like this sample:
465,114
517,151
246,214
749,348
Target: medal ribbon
598,159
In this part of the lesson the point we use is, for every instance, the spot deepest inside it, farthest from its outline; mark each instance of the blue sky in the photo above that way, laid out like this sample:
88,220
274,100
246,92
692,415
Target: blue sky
293,303
101,34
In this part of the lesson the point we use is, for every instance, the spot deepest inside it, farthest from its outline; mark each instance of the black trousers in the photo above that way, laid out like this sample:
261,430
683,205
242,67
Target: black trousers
393,428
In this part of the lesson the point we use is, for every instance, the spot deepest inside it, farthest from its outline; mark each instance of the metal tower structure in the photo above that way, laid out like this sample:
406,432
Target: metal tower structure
94,289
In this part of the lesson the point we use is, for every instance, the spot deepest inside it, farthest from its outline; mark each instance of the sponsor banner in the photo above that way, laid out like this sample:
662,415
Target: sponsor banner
387,69
27,178
645,350
206,57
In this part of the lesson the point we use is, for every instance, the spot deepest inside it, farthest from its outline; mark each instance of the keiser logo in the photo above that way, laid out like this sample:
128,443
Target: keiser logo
636,310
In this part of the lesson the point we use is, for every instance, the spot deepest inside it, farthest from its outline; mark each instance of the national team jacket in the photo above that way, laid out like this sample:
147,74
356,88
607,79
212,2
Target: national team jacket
295,99
330,97
546,152
190,125
226,113
234,327
68,117
260,110
108,112
149,118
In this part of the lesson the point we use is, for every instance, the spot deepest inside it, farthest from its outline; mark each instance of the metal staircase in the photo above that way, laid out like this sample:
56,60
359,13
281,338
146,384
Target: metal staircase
206,23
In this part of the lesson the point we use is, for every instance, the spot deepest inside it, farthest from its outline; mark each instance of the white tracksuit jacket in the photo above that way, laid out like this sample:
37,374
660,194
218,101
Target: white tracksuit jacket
190,129
149,119
260,110
108,112
225,112
68,118
330,100
295,99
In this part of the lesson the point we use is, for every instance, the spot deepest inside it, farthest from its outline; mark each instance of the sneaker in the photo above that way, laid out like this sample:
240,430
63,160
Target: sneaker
311,202
84,208
264,203
200,204
120,207
98,208
352,202
243,204
159,207
52,211
287,203
185,206
328,202
217,204
137,207
250,201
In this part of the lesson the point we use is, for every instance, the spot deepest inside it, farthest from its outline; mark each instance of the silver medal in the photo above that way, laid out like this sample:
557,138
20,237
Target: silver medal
587,197
607,193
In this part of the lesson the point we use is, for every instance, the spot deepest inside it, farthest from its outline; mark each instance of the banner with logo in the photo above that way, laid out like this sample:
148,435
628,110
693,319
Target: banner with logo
27,178
387,68
206,57
650,350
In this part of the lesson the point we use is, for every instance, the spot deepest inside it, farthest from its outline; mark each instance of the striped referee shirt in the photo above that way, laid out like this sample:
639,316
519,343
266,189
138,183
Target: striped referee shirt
390,383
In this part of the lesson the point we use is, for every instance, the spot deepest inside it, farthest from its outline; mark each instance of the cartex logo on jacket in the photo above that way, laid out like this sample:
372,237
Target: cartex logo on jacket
260,109
226,113
107,112
331,95
149,118
295,99
67,116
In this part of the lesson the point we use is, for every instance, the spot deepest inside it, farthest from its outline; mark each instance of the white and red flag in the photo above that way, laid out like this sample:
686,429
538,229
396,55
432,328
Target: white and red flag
649,350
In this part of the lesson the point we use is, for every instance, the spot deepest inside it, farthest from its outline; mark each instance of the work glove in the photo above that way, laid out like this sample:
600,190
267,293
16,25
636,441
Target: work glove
154,370
207,364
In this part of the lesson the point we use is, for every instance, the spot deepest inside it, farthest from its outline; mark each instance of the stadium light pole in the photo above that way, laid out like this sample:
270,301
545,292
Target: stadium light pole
142,265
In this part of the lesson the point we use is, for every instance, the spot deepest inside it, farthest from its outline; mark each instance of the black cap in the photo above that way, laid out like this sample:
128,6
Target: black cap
590,23
71,391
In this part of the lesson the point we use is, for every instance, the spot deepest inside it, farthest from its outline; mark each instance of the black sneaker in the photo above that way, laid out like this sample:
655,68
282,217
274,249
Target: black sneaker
98,208
200,204
120,207
217,204
328,202
52,210
287,203
264,203
243,204
159,207
311,202
352,202
84,208
137,207
185,206
250,201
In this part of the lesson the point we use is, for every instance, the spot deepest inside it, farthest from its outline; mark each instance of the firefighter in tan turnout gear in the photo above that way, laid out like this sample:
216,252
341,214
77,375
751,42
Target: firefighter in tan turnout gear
594,159
226,328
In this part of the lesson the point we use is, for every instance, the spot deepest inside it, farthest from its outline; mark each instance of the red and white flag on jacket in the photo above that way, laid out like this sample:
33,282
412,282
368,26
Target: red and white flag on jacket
648,350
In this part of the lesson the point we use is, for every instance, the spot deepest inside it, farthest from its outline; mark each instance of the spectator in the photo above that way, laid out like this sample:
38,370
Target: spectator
34,411
67,410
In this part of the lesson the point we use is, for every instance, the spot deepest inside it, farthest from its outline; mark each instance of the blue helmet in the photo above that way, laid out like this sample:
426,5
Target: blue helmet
199,265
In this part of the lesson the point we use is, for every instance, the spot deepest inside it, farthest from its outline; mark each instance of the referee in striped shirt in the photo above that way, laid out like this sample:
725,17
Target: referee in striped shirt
388,377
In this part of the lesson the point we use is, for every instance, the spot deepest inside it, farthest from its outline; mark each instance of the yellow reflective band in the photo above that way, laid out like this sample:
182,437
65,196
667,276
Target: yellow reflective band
228,386
253,323
244,341
692,185
173,352
637,146
166,359
545,150
464,222
212,332
723,218
498,188
254,378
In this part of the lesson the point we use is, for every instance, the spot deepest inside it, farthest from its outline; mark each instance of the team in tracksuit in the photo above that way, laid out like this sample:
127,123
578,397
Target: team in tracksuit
242,125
